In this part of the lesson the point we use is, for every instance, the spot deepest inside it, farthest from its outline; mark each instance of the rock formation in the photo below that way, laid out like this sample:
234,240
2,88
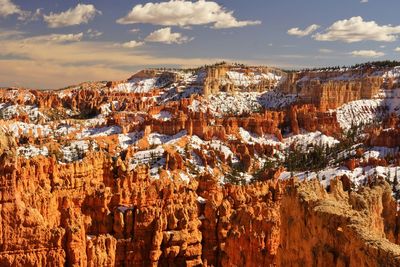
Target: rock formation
337,228
150,172
217,79
81,214
331,89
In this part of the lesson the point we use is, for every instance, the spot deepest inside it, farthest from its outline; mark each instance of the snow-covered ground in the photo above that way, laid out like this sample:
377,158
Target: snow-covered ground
97,132
242,102
175,94
159,139
251,138
190,77
369,110
380,152
64,93
359,112
276,100
137,85
358,176
126,140
76,149
65,129
346,74
153,157
8,112
302,140
220,146
393,73
26,128
247,79
145,85
312,138
94,122
105,109
32,151
17,93
163,115
232,103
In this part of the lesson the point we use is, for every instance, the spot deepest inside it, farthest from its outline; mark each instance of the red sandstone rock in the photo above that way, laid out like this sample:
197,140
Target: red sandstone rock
100,212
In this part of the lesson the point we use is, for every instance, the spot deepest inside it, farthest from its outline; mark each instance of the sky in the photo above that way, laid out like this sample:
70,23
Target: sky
56,43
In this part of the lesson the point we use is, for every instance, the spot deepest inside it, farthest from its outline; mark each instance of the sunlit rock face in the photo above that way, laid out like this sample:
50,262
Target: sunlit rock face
224,165
331,89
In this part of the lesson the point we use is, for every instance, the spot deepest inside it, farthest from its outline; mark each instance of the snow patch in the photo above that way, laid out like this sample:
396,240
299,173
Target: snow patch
159,139
126,140
32,151
253,78
359,112
97,132
76,150
313,138
137,85
242,102
163,115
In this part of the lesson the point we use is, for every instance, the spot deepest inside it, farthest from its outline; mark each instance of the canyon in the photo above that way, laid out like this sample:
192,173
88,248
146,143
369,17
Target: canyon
222,165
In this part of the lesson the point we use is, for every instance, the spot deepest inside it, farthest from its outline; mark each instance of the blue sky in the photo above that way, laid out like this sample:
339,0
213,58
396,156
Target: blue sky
53,43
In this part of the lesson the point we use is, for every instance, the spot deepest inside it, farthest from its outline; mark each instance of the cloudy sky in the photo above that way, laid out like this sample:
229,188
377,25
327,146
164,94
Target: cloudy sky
54,43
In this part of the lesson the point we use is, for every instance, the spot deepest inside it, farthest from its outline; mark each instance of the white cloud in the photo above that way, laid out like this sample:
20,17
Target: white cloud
184,13
367,53
37,15
20,37
134,30
73,16
132,44
397,49
94,33
364,1
56,38
297,32
356,29
8,8
166,36
10,34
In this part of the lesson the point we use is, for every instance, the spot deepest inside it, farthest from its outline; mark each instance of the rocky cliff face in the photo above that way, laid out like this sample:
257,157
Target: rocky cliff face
331,89
81,214
95,213
337,228
226,78
195,167
310,118
240,225
384,137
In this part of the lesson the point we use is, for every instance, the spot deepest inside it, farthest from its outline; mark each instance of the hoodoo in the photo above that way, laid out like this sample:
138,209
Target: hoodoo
222,165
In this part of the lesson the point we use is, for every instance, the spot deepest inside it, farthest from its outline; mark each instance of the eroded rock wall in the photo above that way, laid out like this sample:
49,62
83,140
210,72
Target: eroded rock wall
95,213
330,90
337,229
216,79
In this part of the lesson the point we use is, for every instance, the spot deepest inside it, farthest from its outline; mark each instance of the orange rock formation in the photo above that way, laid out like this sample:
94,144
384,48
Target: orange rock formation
94,212
331,89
